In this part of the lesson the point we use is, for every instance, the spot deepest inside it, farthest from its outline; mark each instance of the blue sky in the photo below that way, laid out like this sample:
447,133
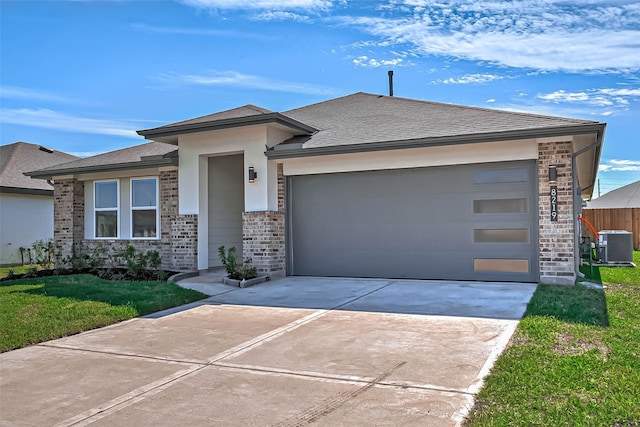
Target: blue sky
83,76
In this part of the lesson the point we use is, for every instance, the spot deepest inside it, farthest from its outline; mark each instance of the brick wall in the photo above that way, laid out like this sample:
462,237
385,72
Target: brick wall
263,241
556,239
68,213
281,189
179,233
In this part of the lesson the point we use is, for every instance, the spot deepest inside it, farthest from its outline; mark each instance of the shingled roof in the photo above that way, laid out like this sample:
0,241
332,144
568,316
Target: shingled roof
242,116
364,118
623,197
20,157
151,154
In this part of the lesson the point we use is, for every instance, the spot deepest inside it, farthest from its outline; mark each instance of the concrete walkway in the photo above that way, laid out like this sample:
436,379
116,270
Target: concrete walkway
294,351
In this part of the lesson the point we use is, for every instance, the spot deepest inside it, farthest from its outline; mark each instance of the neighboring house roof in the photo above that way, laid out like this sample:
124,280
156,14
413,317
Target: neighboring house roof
152,154
20,157
623,197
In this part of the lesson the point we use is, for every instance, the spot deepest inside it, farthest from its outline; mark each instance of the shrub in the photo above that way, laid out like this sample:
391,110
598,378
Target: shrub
142,265
46,253
78,260
244,271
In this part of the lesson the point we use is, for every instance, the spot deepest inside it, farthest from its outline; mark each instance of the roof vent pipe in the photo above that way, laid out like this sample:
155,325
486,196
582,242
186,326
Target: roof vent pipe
390,83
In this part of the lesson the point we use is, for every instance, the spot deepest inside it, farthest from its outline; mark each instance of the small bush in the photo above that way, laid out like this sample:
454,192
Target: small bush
142,265
244,271
46,253
78,260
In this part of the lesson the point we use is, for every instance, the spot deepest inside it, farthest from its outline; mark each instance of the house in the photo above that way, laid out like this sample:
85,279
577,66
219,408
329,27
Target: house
26,204
620,198
618,209
363,185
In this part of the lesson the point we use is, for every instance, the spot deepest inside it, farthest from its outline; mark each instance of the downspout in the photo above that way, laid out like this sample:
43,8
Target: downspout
577,194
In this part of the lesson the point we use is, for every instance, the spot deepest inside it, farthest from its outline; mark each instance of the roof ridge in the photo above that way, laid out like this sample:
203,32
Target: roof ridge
492,110
258,109
326,101
449,105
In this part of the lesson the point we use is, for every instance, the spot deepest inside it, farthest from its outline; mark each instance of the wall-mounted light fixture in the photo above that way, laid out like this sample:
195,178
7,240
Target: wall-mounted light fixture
253,175
553,174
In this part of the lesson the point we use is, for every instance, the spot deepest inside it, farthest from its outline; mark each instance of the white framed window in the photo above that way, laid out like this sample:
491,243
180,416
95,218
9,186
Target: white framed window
106,209
145,217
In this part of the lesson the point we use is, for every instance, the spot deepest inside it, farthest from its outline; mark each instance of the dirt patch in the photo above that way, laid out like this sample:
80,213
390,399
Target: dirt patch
568,345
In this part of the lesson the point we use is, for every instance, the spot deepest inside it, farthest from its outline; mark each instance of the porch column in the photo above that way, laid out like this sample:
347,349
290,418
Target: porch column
556,238
68,213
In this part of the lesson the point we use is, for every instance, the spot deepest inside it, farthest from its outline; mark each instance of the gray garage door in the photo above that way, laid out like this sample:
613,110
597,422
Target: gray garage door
476,222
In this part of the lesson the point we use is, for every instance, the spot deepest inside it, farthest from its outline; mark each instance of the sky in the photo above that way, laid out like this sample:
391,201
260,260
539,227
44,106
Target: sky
82,76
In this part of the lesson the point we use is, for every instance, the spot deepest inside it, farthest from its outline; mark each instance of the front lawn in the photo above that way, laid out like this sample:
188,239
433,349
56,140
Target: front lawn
574,360
41,309
17,269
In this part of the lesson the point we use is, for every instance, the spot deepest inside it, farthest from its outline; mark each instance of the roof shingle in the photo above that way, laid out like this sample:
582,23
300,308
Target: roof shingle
363,118
109,160
623,197
20,157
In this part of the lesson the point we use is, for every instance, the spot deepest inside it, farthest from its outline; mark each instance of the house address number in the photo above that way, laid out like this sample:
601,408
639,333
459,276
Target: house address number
554,202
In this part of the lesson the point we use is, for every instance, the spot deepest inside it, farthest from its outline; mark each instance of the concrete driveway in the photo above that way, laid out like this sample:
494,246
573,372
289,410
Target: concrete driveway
291,352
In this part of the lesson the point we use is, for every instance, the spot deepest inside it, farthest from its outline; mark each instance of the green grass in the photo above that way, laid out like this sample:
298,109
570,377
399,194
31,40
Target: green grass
41,309
17,269
574,360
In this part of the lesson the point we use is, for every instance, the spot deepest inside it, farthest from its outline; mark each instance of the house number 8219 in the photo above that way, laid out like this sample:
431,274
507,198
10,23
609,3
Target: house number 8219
554,203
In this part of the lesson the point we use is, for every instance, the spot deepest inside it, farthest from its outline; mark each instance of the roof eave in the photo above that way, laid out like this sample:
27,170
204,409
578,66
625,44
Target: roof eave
151,162
596,163
29,191
283,153
263,119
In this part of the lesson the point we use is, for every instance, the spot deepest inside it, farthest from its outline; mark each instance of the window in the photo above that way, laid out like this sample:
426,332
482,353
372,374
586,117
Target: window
144,208
500,206
106,209
500,176
501,265
506,235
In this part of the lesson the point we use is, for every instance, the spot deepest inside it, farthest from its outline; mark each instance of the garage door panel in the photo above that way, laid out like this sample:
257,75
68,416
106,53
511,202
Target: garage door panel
414,223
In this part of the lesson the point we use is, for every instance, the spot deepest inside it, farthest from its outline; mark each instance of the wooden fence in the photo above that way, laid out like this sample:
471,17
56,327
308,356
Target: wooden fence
616,219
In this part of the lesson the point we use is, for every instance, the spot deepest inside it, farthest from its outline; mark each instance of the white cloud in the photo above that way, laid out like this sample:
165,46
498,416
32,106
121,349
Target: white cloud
260,4
620,166
365,61
15,92
207,32
605,97
471,79
547,35
234,78
491,100
281,16
49,119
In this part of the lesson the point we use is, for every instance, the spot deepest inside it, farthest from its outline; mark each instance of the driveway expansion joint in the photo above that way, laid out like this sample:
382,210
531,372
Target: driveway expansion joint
122,354
338,378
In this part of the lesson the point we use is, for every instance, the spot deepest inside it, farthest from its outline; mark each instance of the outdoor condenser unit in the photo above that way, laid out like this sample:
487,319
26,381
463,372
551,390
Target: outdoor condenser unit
615,246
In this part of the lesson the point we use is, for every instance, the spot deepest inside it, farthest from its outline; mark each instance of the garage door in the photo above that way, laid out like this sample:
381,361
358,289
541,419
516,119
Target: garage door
475,222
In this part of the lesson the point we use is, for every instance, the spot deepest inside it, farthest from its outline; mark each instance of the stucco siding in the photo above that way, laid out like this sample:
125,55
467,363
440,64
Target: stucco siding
24,219
414,158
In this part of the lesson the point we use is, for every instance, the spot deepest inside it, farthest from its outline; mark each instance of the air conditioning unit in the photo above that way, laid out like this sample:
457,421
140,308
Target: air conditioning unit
615,246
